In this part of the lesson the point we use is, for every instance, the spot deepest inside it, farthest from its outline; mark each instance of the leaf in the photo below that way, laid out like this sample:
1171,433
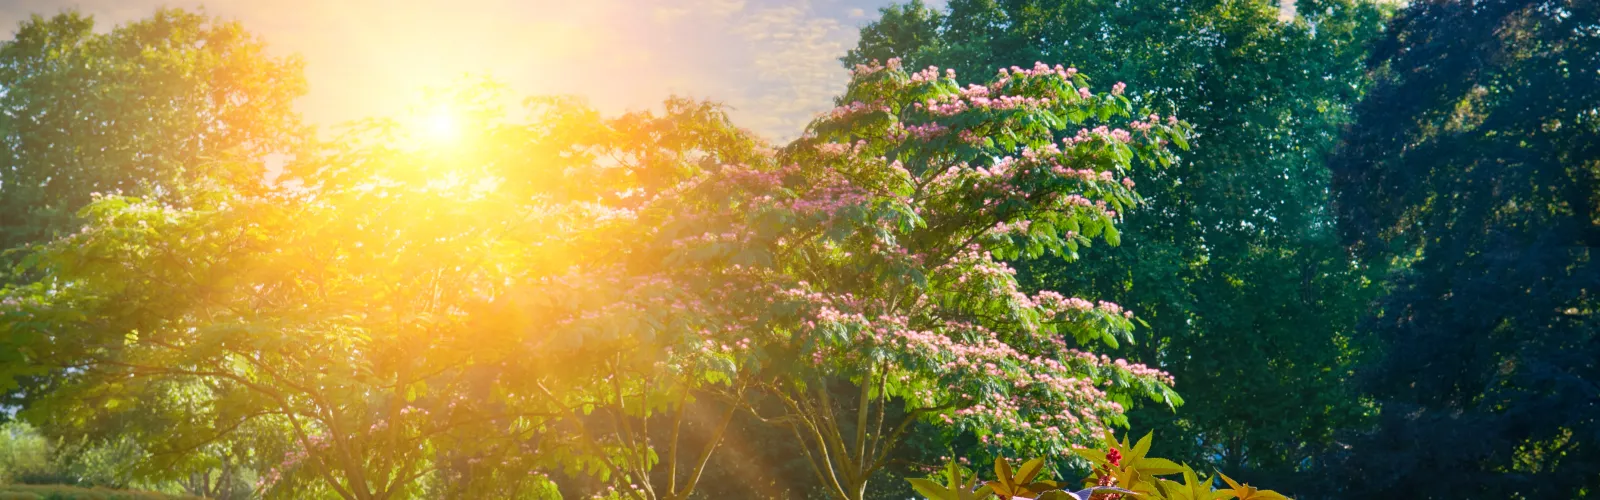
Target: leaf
1002,472
981,493
1058,495
930,489
1029,470
1159,466
1143,447
1230,481
1180,141
1092,455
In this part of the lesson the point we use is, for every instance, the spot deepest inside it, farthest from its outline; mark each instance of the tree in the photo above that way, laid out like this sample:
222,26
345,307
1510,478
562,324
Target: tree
384,326
143,109
1471,168
868,258
1235,266
856,261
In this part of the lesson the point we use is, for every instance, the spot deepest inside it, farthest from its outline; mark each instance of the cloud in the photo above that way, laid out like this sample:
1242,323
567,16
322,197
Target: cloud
720,8
793,56
669,14
773,61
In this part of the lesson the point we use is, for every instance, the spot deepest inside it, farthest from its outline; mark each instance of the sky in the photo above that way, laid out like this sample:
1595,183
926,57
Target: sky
774,62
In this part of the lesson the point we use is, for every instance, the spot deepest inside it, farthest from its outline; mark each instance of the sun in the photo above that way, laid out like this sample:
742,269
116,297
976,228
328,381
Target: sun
437,127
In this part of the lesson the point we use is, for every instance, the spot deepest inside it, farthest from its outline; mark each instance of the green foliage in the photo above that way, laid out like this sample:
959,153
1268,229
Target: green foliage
1471,170
53,492
27,457
142,109
1236,252
411,319
375,332
572,295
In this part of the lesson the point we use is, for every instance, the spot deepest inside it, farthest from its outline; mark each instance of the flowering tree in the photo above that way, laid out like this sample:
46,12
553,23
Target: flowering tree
869,253
582,294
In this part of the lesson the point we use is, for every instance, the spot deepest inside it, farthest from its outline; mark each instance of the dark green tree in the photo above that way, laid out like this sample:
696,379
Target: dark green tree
1251,301
1472,165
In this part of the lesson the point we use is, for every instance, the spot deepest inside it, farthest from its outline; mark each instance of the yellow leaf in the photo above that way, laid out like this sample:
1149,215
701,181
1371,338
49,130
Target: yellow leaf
1158,466
1230,481
1002,471
1143,447
1030,470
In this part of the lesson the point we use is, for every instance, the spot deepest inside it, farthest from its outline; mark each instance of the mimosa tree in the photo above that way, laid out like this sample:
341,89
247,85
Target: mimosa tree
869,253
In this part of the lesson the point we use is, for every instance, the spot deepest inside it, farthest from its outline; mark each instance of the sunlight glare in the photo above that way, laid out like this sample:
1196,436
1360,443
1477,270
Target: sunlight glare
440,127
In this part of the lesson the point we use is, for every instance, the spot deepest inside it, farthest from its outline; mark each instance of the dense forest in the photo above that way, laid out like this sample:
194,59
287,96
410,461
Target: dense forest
1052,249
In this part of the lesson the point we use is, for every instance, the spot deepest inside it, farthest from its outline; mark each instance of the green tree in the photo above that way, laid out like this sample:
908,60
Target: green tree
1251,301
382,327
1472,168
142,109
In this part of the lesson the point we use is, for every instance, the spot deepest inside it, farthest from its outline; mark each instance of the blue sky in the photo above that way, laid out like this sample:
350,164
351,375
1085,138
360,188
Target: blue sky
775,62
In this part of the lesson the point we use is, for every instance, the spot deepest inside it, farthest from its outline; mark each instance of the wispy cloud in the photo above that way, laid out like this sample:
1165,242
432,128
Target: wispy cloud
774,61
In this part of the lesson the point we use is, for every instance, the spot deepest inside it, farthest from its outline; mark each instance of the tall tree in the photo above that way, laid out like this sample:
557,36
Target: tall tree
906,199
1236,267
142,109
1473,167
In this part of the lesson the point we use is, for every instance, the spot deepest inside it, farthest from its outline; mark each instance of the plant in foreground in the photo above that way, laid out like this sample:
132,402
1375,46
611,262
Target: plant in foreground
1121,472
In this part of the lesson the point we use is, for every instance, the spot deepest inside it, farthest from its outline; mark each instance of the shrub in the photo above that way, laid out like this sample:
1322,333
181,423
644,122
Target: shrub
60,492
1121,472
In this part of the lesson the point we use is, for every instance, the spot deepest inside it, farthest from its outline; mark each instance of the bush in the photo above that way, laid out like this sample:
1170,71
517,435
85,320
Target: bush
1121,472
58,492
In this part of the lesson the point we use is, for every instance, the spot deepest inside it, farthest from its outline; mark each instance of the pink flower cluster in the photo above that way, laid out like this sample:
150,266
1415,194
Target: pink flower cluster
827,200
1038,69
855,108
927,131
709,238
840,149
1020,226
950,107
931,74
1040,394
1101,132
292,459
893,64
1057,303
